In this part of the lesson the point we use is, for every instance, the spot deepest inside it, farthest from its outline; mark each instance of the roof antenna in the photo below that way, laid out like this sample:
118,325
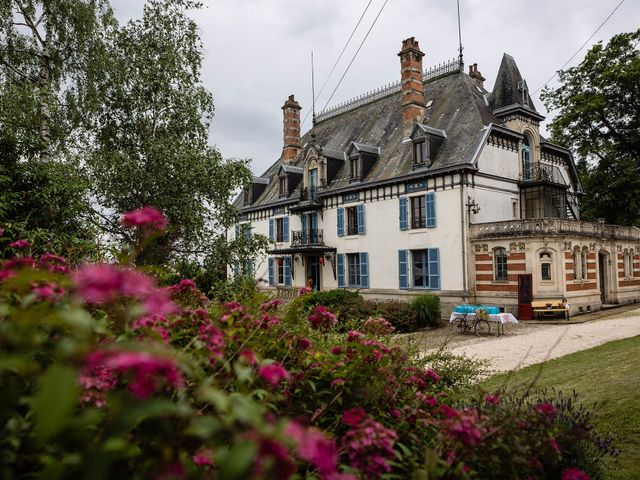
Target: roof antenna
460,60
313,93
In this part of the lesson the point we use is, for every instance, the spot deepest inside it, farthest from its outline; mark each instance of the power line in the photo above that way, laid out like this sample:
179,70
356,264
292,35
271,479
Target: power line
581,47
356,54
339,58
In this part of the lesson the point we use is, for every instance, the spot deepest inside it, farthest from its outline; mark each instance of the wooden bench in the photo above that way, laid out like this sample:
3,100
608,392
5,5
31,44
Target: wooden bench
549,307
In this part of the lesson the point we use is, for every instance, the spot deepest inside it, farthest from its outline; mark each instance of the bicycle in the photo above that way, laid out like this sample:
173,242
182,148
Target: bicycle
480,326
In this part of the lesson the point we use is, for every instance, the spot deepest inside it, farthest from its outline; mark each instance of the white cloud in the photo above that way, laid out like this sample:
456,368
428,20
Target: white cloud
258,51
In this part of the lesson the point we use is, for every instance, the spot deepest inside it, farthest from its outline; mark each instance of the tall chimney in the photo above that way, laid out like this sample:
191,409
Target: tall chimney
476,75
412,86
291,109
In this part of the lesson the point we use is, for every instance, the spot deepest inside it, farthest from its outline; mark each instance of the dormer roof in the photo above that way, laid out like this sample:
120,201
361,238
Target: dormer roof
510,91
427,130
362,147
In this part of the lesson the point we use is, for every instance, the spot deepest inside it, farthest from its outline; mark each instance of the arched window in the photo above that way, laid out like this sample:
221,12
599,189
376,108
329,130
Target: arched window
583,269
628,263
576,263
500,263
527,166
545,266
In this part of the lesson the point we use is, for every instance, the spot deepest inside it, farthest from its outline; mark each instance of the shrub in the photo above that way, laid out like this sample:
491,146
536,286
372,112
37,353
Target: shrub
345,304
105,374
427,308
400,314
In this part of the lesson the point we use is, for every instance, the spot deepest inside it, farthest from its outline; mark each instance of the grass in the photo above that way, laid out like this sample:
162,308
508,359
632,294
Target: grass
607,375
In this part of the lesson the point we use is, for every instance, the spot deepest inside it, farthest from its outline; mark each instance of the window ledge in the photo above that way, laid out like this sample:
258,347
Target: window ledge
418,230
503,282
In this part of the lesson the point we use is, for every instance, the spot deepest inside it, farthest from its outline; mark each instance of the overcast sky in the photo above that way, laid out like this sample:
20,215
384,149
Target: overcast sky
257,52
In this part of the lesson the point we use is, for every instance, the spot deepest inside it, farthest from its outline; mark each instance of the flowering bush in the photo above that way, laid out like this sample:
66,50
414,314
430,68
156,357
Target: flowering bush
105,373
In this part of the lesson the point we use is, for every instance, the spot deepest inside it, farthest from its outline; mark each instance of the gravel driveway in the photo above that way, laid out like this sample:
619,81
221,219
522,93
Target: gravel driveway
529,344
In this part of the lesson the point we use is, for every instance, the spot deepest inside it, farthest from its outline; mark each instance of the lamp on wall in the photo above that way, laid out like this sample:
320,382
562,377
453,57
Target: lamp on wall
472,206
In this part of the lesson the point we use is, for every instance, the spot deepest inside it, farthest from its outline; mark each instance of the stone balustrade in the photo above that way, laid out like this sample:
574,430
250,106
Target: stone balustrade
538,227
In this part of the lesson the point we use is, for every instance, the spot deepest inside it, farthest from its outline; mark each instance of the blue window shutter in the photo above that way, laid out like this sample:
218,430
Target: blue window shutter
250,267
303,221
246,231
430,209
360,212
236,269
341,222
434,268
364,270
287,271
271,229
403,269
237,231
341,270
285,228
272,281
404,218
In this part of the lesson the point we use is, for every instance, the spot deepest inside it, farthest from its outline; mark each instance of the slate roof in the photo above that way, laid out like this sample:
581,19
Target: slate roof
507,89
457,107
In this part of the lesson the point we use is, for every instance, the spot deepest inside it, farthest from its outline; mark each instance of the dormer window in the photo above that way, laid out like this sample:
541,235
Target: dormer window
354,168
282,189
247,196
420,149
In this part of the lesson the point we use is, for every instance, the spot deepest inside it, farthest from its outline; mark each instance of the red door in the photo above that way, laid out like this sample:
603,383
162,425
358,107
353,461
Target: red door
525,312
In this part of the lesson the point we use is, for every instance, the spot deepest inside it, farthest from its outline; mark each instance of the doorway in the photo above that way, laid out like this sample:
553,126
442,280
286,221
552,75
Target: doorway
314,268
603,275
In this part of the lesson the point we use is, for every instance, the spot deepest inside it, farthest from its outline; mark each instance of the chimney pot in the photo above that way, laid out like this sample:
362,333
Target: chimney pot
476,75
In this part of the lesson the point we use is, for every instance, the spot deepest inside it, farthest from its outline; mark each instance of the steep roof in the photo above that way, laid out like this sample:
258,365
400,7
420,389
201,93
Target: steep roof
508,88
456,106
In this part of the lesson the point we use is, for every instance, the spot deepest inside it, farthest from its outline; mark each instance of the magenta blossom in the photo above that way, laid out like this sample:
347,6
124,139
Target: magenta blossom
304,291
273,374
377,326
313,447
20,244
322,318
204,458
147,218
574,474
353,416
102,283
369,447
1,232
492,399
304,343
354,336
47,292
547,409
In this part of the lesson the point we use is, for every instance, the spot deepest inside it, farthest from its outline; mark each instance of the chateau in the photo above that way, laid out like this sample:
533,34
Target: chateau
435,184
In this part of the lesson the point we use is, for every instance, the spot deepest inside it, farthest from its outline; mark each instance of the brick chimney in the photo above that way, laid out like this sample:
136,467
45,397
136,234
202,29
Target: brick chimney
291,109
476,75
412,86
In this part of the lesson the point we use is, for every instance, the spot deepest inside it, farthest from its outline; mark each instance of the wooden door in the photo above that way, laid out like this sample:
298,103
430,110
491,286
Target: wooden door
525,294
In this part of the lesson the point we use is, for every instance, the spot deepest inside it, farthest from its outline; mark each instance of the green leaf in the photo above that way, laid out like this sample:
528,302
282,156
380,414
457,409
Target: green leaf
236,461
54,401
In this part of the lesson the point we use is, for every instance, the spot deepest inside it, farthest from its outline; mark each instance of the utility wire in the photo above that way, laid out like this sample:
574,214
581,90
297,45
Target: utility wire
581,47
339,57
356,54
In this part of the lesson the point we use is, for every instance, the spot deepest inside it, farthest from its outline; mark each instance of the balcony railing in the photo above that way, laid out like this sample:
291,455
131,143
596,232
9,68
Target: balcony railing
306,238
539,172
309,194
552,226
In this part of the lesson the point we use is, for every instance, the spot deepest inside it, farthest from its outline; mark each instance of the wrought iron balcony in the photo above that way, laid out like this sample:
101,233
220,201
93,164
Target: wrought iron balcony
309,194
307,238
540,172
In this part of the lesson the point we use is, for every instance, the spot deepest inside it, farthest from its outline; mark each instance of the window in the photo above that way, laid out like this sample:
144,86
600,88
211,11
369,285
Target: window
583,266
245,228
514,209
543,202
576,263
418,218
280,270
353,265
419,153
628,264
280,230
352,220
545,266
500,263
419,268
247,196
527,167
283,186
354,170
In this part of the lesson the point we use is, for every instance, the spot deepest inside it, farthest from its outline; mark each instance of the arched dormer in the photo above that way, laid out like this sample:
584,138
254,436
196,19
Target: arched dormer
426,142
361,158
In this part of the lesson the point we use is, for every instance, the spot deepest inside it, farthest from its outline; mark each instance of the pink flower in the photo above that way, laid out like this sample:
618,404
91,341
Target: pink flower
377,326
276,456
304,344
432,375
158,302
336,382
322,318
353,416
304,291
249,356
553,443
354,335
464,427
271,305
148,218
547,409
369,447
273,373
1,232
102,283
47,292
213,339
492,399
20,244
313,447
146,371
574,474
204,458
51,258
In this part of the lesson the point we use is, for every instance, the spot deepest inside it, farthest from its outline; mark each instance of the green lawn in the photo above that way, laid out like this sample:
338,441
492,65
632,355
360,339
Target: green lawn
609,375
